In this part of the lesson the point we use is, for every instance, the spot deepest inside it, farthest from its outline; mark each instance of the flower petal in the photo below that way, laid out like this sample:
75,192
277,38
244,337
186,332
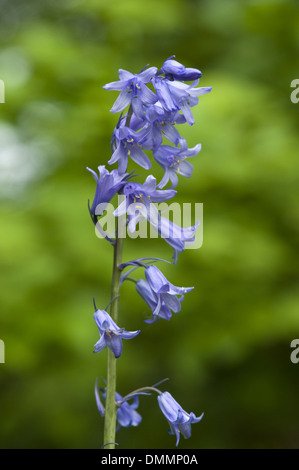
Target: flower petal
164,95
100,345
122,101
150,184
187,113
168,406
118,154
172,302
147,294
125,75
156,280
173,178
119,85
138,107
114,343
126,416
166,178
146,95
199,91
129,334
147,74
193,151
185,169
139,157
100,406
171,133
163,195
121,209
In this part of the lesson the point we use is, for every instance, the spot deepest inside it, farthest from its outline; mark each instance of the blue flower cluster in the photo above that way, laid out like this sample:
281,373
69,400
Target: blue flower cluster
154,117
178,419
150,120
156,101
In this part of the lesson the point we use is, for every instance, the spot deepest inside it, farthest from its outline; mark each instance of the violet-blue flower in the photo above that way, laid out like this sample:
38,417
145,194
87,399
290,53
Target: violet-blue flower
160,123
173,234
128,143
173,70
173,161
179,420
133,90
175,95
110,334
160,294
161,286
138,201
126,413
159,308
108,184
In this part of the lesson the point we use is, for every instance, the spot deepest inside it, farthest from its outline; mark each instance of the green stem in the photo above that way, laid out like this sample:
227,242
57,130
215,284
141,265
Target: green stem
111,409
110,413
131,279
143,389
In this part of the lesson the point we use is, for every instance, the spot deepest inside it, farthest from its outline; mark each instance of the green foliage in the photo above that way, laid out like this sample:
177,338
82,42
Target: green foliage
227,352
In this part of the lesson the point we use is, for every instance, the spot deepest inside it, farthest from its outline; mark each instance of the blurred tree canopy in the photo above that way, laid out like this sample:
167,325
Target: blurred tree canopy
228,352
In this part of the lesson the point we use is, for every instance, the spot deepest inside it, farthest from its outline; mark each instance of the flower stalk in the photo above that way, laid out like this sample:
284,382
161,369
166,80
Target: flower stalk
110,415
150,119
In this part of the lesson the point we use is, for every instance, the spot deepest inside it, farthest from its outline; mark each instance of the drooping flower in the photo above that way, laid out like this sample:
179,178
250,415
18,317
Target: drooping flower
138,201
161,286
110,334
173,161
179,420
133,90
160,123
108,184
173,234
175,95
159,308
173,70
138,205
126,414
160,294
128,143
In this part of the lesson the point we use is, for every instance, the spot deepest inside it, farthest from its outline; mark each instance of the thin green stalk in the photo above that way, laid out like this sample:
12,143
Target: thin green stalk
110,413
111,409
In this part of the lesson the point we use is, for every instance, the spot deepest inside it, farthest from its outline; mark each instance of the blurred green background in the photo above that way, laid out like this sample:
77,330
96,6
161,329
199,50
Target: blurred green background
228,352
